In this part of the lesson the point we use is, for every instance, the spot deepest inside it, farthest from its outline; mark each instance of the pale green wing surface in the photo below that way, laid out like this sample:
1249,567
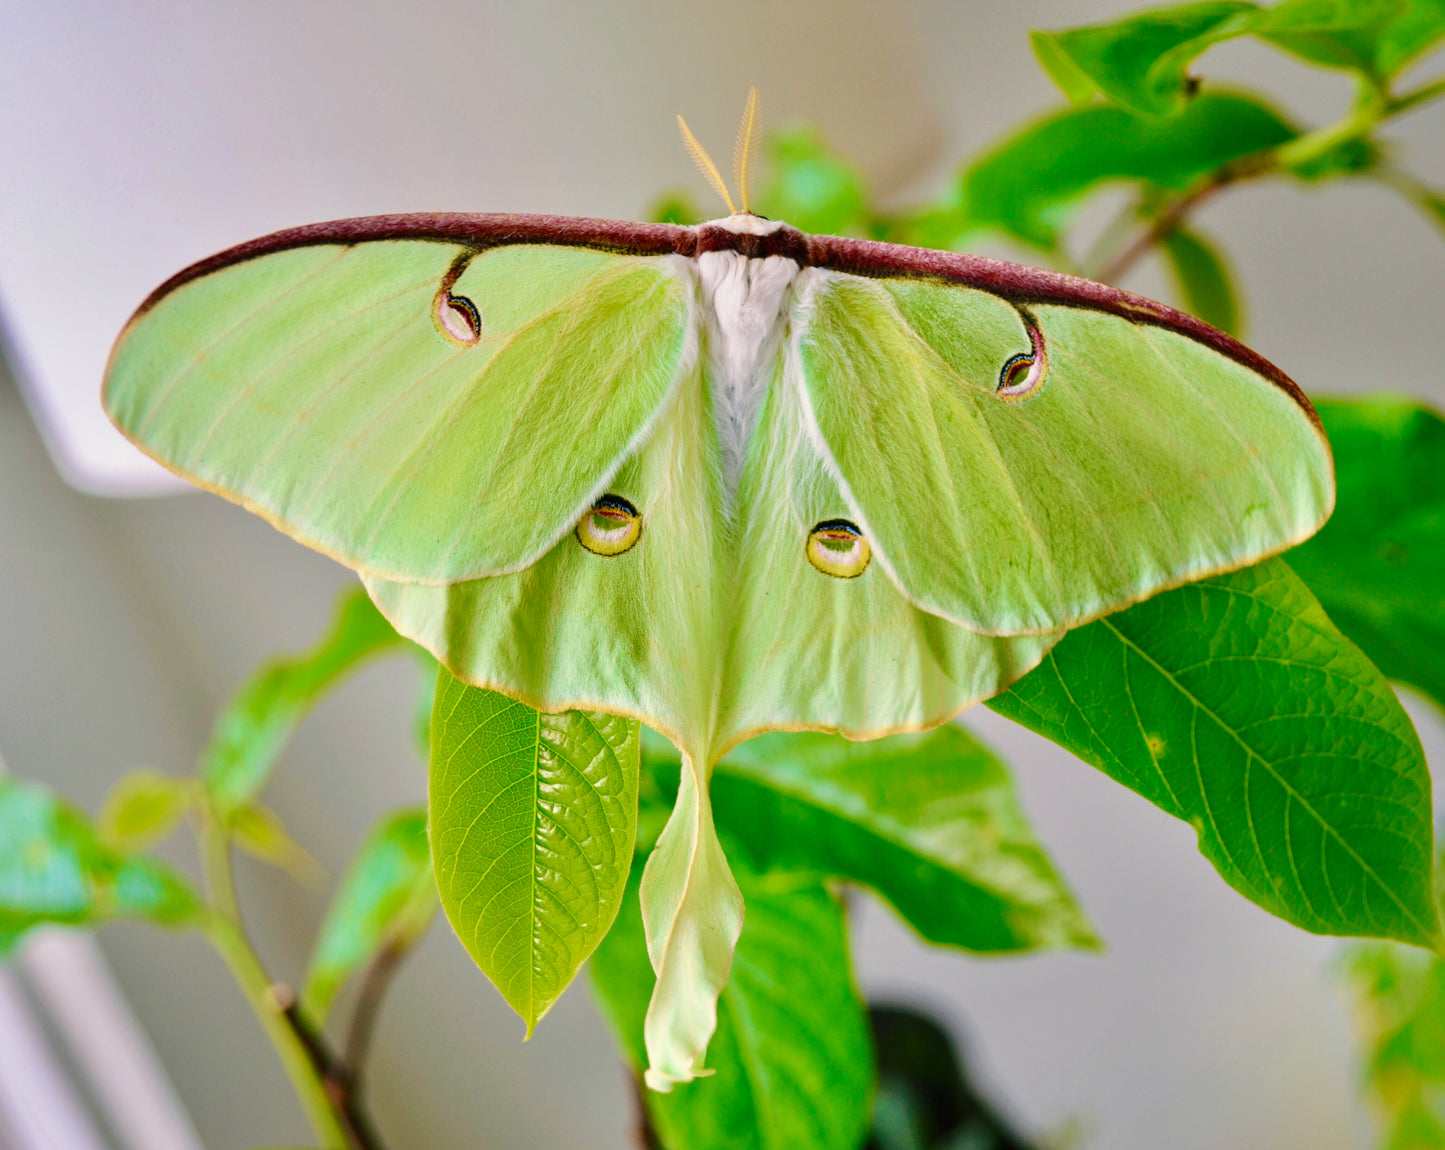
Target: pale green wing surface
411,408
822,652
1141,459
710,631
635,633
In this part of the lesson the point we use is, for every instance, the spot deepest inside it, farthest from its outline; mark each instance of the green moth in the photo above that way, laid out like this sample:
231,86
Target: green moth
723,479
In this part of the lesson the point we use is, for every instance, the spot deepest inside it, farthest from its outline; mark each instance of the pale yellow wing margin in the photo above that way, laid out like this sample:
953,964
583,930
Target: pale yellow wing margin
412,408
1025,469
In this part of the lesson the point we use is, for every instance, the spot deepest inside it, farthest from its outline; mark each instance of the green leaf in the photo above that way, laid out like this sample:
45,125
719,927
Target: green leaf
1029,183
1072,80
1376,38
1141,62
1378,565
1234,704
811,188
532,820
1202,275
1418,29
1333,33
142,809
1416,1043
386,900
55,868
254,726
930,821
1416,1128
792,1055
259,832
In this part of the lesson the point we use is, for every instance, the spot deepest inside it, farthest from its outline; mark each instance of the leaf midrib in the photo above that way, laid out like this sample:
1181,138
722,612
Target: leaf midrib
1427,931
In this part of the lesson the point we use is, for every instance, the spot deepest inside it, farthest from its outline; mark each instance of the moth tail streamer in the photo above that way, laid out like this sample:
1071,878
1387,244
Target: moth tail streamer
693,913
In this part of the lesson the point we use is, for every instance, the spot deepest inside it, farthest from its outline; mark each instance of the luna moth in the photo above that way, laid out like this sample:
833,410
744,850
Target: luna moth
723,479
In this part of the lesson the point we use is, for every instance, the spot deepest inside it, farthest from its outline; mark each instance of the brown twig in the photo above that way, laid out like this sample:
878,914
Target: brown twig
335,1075
1176,213
368,1002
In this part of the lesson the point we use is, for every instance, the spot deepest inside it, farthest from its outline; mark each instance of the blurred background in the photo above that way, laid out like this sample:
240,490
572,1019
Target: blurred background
134,140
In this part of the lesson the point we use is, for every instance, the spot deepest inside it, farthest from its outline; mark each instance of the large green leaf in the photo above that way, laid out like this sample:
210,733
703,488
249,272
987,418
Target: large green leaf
386,899
532,819
1203,278
792,1058
1378,565
1234,704
55,868
254,726
1141,61
930,821
1028,183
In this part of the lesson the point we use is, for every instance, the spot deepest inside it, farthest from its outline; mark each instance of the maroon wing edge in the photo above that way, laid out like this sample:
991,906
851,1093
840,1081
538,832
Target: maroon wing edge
1015,282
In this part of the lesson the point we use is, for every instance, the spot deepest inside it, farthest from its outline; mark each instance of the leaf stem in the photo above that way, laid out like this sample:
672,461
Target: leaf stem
339,1080
269,1008
222,928
1420,95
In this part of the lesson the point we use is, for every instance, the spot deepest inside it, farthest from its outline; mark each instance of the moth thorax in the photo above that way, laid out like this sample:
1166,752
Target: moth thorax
745,304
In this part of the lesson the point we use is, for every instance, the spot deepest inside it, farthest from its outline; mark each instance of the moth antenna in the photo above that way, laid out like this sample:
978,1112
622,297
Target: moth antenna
705,165
745,146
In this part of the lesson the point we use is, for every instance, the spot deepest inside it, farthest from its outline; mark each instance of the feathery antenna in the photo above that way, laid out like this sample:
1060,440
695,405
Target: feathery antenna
705,165
745,146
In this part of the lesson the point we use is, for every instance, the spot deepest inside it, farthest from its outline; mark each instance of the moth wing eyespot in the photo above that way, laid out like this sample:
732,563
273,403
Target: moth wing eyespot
838,548
610,526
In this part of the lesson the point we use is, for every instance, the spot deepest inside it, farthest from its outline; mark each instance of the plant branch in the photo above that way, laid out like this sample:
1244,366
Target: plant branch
222,928
374,983
269,1008
1371,109
339,1080
1174,215
1420,95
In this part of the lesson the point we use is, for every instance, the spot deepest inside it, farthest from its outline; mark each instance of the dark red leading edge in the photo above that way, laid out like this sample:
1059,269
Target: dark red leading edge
1015,282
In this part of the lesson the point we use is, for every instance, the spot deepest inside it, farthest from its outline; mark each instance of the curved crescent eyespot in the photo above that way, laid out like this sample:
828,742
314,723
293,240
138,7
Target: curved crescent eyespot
610,527
1023,375
836,547
457,318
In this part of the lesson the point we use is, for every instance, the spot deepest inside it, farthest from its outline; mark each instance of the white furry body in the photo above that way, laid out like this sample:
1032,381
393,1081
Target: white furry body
743,319
745,305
